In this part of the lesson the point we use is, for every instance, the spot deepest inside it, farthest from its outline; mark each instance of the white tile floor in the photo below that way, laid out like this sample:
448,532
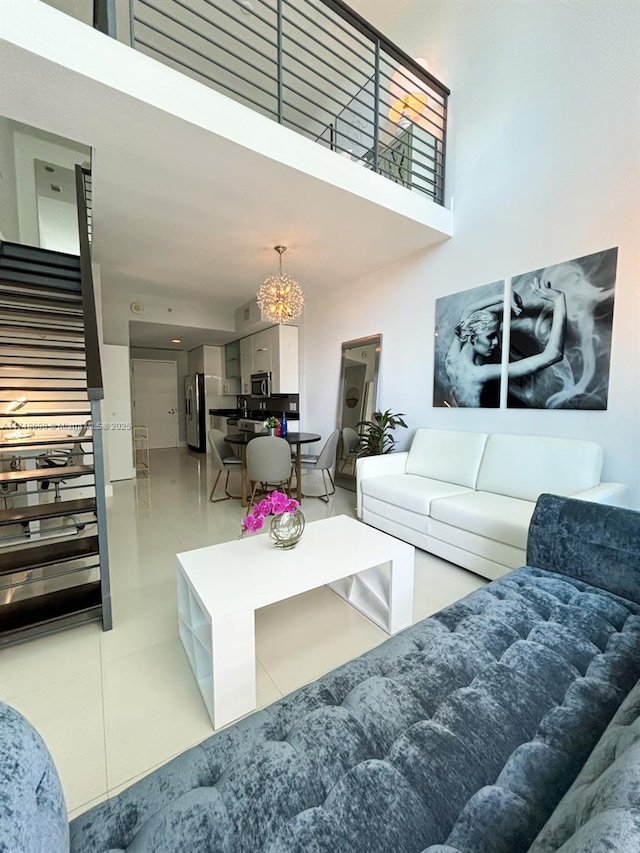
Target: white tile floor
113,706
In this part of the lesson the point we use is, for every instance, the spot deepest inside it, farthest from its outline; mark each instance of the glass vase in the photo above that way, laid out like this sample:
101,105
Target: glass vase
286,529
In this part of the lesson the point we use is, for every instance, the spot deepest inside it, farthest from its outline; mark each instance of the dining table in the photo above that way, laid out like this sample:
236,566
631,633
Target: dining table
295,439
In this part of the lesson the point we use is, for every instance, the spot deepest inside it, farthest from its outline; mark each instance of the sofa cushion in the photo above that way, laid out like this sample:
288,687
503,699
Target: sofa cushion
408,491
525,466
33,816
601,811
377,512
496,517
465,730
448,455
475,545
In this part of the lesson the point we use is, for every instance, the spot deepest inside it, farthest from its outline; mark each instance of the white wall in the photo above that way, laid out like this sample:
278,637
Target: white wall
116,410
159,307
543,166
8,199
58,225
38,145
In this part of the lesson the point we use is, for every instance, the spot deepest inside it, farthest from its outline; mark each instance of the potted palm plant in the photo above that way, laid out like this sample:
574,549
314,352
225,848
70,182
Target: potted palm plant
376,435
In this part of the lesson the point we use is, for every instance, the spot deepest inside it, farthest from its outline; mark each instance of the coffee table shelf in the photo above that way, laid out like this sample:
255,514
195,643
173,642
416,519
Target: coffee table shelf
221,587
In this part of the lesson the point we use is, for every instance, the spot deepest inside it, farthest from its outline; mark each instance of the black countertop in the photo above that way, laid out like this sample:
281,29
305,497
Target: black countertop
254,414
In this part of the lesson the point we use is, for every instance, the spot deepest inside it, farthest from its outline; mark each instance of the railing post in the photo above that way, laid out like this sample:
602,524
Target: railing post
279,62
104,17
376,106
132,24
100,481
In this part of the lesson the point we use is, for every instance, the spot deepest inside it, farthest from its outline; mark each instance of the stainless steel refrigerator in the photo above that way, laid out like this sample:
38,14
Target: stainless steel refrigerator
195,411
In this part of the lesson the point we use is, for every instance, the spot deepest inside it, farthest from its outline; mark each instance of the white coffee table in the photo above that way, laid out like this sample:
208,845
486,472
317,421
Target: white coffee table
221,587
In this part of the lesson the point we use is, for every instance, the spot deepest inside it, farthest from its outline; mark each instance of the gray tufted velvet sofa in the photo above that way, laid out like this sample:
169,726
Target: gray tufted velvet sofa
507,722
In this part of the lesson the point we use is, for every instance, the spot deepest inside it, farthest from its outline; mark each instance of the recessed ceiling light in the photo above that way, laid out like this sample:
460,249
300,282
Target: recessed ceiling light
245,7
56,188
49,169
176,341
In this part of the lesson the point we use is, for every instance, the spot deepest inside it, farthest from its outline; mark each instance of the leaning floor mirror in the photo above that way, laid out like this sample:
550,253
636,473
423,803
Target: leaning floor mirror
357,401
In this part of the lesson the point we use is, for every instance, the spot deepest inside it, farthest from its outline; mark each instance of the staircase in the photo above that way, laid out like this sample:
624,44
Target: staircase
53,554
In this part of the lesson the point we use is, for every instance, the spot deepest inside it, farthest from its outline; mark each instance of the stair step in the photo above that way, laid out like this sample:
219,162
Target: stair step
43,441
30,616
47,318
48,345
56,413
58,509
40,368
40,556
39,282
39,289
42,312
39,298
8,327
62,473
21,252
29,361
67,265
22,387
38,270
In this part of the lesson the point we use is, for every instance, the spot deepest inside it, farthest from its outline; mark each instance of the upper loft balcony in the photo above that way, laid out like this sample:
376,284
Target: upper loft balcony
286,112
315,66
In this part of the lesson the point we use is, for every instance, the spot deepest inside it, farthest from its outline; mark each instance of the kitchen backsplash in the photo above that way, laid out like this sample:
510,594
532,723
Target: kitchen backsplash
289,403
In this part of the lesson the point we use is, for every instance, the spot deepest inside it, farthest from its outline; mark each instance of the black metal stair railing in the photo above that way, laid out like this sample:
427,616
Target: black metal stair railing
315,66
54,569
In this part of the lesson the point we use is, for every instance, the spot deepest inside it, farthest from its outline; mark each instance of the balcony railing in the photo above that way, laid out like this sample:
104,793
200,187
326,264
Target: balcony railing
315,66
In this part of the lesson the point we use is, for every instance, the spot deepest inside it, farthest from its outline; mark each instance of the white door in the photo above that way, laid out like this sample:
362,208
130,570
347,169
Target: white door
154,388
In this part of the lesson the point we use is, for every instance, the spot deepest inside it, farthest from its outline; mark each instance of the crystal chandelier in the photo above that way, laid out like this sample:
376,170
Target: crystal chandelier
280,297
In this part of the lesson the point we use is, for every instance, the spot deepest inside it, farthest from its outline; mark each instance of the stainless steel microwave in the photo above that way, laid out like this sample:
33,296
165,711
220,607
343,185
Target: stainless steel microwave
261,384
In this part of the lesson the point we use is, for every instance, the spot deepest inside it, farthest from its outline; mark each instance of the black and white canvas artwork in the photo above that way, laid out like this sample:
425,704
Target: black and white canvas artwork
468,347
560,336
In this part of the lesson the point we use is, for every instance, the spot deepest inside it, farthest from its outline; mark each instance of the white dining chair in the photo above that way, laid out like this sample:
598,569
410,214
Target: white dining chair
324,462
222,459
268,463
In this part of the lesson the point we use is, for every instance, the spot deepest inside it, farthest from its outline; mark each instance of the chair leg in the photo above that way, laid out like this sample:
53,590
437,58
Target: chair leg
226,488
253,494
327,493
217,500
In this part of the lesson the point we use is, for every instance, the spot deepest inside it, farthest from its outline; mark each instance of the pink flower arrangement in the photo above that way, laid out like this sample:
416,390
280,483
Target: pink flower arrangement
274,504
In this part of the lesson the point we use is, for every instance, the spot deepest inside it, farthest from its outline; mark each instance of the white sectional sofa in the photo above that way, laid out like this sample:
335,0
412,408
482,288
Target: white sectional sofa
468,497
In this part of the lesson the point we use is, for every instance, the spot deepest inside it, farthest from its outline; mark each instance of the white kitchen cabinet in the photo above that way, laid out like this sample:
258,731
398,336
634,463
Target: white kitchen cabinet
263,344
275,351
231,383
246,364
285,368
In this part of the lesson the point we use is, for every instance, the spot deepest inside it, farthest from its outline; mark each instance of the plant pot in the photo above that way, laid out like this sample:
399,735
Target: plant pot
271,430
286,529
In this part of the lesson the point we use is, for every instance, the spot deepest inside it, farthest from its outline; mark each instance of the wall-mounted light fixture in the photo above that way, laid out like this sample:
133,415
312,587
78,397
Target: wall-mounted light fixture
411,102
